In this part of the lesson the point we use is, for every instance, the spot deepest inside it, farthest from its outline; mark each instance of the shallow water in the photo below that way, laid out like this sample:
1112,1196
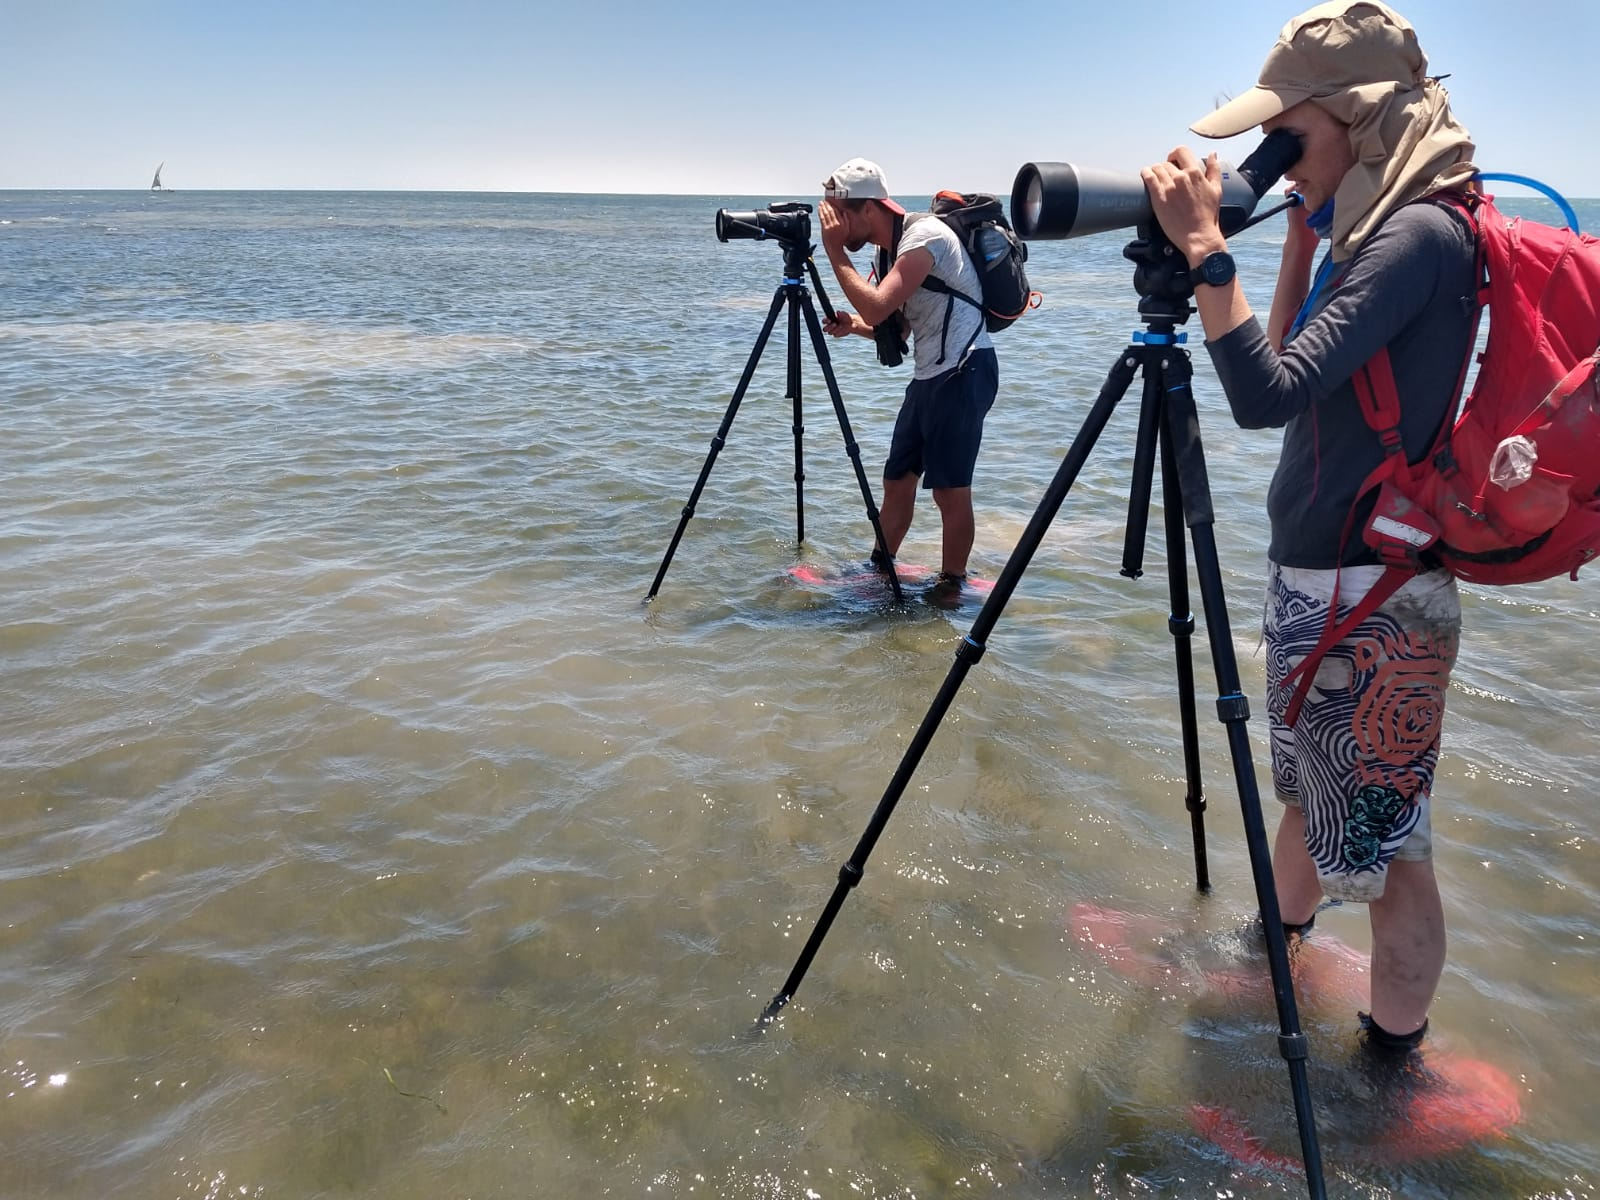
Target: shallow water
362,832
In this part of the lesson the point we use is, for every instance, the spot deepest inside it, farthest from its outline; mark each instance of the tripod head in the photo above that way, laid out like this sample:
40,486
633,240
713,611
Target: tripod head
1161,277
797,260
1161,273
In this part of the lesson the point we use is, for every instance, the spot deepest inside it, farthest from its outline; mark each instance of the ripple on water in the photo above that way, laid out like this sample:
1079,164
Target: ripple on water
365,832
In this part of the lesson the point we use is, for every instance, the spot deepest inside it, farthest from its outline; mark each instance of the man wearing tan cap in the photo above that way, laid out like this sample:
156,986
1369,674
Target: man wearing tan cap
1355,772
955,376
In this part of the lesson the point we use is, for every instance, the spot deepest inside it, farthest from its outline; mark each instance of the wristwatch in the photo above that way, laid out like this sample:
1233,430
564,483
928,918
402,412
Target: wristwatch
1216,269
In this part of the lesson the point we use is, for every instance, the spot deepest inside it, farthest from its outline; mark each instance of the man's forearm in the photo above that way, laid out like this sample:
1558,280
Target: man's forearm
863,296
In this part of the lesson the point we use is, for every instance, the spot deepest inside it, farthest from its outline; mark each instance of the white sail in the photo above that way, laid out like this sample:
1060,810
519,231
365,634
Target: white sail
155,184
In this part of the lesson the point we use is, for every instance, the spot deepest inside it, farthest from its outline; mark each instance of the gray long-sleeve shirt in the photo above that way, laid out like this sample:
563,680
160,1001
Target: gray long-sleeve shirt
1409,288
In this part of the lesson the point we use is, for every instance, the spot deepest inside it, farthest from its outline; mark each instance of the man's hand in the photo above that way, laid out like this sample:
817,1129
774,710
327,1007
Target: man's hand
843,324
833,231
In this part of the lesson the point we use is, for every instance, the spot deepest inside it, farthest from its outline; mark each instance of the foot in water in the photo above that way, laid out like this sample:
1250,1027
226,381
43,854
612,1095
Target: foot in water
869,579
1391,1108
1422,1101
945,590
1326,971
942,589
1437,1106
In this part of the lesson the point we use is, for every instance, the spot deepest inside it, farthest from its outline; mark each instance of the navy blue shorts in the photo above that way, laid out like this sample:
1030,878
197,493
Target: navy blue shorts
940,425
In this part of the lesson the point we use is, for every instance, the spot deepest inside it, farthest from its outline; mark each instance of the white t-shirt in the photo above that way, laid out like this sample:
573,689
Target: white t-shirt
925,309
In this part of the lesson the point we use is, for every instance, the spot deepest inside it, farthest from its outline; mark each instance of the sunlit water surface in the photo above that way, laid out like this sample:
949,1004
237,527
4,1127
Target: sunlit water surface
363,833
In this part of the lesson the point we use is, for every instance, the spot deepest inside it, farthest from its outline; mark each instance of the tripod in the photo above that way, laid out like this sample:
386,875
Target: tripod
792,295
1168,420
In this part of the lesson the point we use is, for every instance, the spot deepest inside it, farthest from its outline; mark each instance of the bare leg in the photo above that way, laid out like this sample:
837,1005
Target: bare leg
1408,943
899,501
955,512
1299,891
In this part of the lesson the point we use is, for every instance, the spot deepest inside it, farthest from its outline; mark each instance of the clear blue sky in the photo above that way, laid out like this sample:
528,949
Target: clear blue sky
706,98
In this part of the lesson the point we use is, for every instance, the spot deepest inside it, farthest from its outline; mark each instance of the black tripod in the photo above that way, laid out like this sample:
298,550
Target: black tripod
793,295
1167,417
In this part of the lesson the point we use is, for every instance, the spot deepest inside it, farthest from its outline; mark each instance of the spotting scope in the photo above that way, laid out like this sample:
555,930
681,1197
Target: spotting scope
1052,200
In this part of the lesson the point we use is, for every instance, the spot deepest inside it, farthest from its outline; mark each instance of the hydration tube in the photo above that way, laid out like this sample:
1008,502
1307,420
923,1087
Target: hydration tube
1545,188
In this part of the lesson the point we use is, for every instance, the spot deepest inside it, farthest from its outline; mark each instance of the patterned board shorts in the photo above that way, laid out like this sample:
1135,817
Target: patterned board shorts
1359,762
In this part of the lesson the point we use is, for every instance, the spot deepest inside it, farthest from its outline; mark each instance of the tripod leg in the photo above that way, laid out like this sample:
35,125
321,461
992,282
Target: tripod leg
1153,431
967,653
721,437
1181,624
799,425
1234,710
819,345
1144,459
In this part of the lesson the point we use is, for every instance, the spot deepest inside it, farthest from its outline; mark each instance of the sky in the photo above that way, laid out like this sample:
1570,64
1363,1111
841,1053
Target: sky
702,98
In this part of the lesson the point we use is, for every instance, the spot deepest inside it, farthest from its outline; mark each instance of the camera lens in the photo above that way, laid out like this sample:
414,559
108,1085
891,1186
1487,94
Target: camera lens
786,222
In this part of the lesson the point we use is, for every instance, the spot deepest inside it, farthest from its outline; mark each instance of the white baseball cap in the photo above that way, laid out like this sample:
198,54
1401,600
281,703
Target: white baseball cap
859,179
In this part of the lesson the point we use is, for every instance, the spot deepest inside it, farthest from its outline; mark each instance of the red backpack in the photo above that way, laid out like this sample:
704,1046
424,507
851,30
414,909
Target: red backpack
1510,492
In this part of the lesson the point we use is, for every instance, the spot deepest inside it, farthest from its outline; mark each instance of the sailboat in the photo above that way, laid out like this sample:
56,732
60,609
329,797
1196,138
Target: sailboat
155,184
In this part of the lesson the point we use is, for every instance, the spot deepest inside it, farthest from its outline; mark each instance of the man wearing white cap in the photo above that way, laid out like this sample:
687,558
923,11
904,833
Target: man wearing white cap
1355,772
955,377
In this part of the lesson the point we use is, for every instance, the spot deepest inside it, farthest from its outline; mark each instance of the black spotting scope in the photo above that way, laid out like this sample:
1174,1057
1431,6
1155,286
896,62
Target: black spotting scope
1058,200
789,221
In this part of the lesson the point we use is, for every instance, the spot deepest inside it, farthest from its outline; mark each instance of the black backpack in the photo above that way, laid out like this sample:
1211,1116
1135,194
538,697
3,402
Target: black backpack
979,220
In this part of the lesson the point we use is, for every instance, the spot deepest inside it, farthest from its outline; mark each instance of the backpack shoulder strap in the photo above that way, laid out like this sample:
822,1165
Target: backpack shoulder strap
1379,399
1463,206
933,284
1374,383
1335,631
939,285
943,288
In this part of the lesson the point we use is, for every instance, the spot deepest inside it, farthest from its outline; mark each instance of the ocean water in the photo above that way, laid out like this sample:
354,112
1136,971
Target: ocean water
362,832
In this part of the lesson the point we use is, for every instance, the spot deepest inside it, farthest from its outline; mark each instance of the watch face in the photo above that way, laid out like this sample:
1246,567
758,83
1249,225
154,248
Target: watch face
1217,268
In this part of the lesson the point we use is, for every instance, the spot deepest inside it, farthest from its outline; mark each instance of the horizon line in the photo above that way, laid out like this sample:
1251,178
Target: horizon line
405,190
1534,194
